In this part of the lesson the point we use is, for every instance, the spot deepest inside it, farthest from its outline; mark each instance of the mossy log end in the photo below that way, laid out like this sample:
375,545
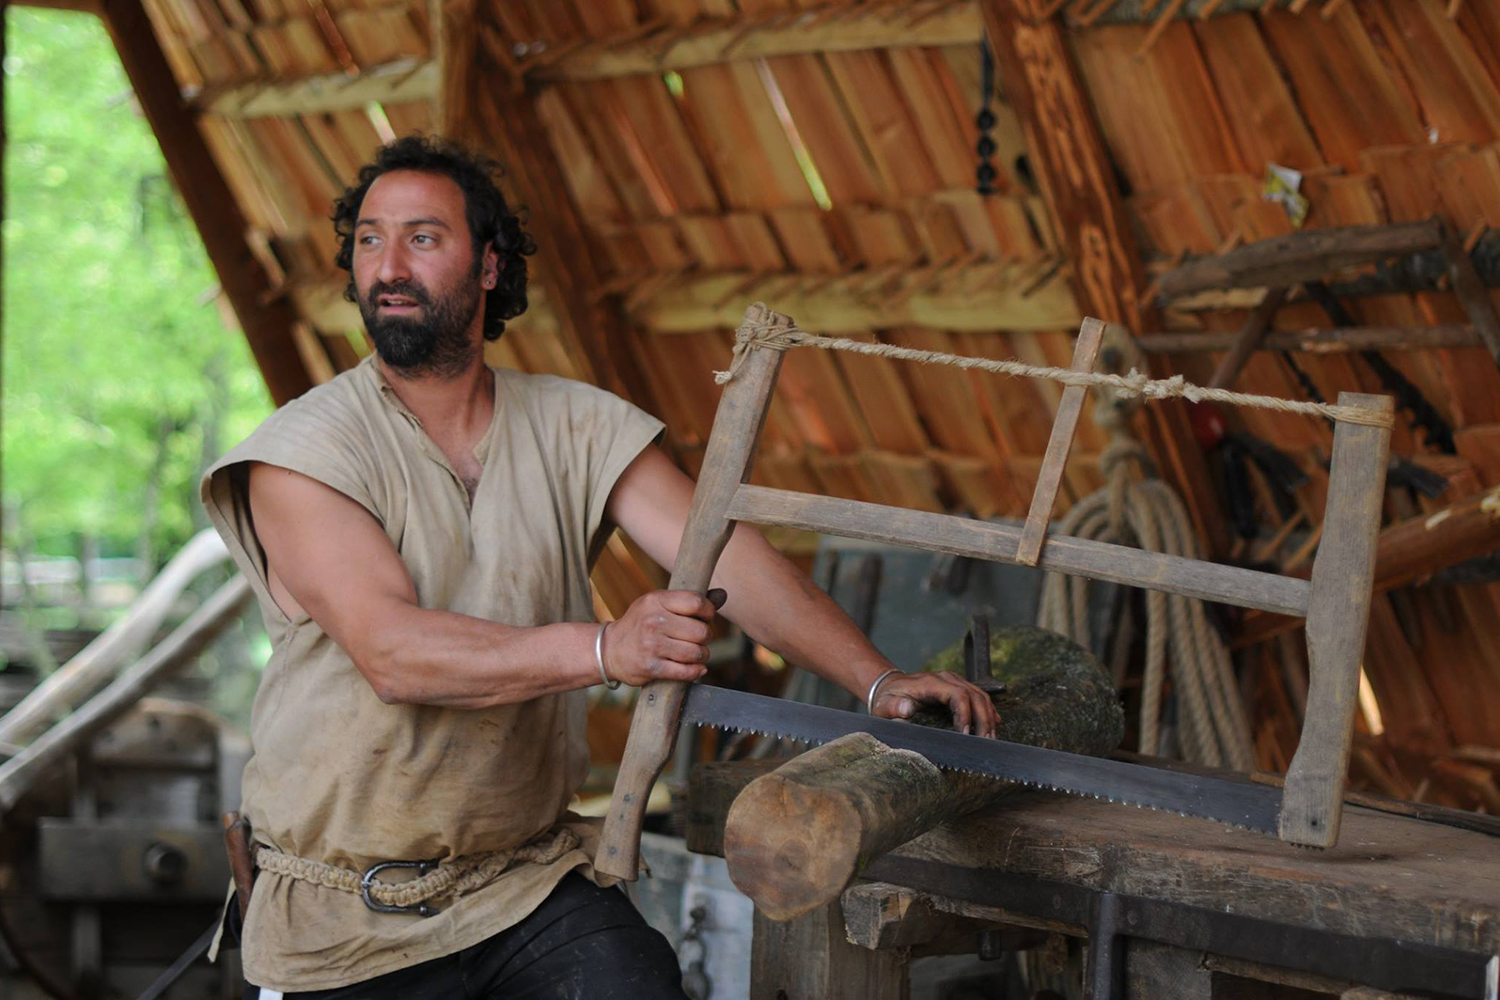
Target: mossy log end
795,838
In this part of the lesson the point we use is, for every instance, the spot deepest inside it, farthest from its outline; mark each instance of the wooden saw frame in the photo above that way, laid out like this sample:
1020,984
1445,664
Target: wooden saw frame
1335,602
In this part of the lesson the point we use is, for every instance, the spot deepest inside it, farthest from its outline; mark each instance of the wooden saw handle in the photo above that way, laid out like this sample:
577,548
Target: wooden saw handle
658,710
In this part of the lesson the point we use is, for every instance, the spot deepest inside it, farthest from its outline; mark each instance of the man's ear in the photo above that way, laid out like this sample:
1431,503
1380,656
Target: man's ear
490,271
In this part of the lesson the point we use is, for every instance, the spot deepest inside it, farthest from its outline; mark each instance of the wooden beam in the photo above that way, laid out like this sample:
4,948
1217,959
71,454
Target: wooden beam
841,306
1298,257
998,543
265,318
926,23
1068,156
1471,292
486,105
1249,337
1336,341
392,83
1410,551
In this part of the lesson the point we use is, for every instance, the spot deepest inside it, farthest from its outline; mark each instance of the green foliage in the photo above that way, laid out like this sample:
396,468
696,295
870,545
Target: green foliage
120,377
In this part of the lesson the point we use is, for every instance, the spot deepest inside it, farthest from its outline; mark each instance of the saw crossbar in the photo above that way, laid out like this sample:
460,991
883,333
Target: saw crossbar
998,543
1336,602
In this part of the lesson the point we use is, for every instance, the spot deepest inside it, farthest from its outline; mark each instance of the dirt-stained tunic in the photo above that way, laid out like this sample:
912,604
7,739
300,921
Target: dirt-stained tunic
339,776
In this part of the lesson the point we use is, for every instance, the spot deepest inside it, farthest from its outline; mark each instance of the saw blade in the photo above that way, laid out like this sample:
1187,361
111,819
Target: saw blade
1225,800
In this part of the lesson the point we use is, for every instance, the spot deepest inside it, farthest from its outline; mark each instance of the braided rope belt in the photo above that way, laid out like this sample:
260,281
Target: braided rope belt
458,877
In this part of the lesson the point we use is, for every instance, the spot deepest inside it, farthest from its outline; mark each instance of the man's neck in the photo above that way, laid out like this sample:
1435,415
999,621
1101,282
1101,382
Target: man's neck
452,408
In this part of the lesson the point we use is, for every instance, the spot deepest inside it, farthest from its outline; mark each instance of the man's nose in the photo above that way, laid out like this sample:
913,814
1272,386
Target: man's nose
393,264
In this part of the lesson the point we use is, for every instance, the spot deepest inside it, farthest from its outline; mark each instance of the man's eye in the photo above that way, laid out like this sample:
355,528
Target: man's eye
367,240
423,238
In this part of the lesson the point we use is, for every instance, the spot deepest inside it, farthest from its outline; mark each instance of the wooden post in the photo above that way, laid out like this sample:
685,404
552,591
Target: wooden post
658,710
810,958
264,314
1337,616
1064,425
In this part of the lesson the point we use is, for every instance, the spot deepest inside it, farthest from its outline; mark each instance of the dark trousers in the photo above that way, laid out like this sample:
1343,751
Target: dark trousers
583,943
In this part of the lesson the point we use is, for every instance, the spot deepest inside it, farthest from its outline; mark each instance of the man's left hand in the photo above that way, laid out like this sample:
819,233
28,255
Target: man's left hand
973,711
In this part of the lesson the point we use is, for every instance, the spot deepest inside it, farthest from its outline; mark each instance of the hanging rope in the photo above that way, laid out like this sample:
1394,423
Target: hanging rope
1214,728
779,335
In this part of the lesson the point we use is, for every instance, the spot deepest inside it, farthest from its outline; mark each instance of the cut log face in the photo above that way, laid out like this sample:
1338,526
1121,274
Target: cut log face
795,838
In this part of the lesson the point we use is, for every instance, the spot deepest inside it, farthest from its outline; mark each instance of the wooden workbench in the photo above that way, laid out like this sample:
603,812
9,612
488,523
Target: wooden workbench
1037,858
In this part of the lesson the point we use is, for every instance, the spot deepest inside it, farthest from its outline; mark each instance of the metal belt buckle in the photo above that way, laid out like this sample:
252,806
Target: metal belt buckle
367,882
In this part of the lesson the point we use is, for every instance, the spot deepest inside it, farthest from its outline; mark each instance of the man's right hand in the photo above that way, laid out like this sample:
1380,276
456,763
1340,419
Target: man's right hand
663,635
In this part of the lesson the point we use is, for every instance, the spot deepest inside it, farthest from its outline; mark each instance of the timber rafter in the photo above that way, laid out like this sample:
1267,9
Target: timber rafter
968,300
393,82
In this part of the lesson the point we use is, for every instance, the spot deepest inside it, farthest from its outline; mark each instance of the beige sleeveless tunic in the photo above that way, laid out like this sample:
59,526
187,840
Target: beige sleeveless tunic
340,777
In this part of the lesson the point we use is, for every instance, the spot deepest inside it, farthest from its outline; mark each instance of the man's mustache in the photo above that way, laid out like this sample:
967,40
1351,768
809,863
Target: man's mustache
405,289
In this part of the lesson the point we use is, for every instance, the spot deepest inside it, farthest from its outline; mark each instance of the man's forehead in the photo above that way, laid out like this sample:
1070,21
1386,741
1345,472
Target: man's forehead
403,195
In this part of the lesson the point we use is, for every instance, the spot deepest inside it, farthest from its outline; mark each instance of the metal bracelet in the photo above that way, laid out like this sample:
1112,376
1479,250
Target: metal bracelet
875,686
599,657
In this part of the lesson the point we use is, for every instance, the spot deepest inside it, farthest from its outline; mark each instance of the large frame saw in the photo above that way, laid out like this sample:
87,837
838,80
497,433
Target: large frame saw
1335,603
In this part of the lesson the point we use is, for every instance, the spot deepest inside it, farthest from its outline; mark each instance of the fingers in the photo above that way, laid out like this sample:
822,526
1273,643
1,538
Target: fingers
686,602
972,709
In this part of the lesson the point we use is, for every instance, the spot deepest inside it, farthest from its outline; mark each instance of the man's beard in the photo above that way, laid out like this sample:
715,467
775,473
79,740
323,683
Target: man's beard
433,343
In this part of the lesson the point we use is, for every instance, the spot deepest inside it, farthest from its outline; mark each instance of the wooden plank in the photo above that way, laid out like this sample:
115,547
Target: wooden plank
1337,618
265,318
653,730
1288,260
1090,336
717,40
998,542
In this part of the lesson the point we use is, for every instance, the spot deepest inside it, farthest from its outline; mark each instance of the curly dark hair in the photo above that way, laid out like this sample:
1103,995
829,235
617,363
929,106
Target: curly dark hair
490,219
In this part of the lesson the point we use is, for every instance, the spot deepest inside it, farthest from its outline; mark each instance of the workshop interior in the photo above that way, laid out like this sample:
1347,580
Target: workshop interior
1137,361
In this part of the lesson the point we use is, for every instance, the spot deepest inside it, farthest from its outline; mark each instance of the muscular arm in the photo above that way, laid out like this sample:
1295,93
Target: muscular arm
329,558
777,605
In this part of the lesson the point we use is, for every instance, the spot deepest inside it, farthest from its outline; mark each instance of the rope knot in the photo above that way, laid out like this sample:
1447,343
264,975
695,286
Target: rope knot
761,327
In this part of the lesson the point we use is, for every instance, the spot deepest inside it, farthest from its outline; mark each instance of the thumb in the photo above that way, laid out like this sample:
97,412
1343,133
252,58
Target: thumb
904,708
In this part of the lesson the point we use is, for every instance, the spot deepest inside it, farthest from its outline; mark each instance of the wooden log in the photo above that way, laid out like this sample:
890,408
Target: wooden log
795,838
1064,424
116,646
18,774
658,709
1297,257
1337,618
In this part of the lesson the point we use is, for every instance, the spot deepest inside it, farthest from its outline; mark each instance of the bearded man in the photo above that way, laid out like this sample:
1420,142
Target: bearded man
419,532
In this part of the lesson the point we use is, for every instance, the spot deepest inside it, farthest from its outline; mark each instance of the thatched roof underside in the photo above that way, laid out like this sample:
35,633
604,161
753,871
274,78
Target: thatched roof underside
722,151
